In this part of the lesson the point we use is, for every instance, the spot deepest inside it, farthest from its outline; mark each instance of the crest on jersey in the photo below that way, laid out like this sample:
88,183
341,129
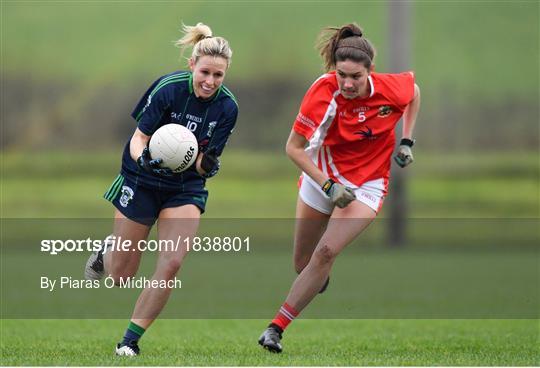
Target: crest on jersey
384,111
127,196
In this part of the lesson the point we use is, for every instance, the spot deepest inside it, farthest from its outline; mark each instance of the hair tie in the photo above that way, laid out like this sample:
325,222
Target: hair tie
352,35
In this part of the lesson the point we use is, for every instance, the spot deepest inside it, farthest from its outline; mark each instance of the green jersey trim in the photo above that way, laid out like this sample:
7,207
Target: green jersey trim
172,79
229,93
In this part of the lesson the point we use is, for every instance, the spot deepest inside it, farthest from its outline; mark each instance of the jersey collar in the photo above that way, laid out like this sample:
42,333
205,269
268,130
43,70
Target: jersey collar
371,86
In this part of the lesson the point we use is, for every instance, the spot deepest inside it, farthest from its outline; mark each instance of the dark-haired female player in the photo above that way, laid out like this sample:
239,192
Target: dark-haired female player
342,140
144,192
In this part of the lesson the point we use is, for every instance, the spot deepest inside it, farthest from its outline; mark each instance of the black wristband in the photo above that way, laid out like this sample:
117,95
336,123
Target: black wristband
407,142
209,163
327,185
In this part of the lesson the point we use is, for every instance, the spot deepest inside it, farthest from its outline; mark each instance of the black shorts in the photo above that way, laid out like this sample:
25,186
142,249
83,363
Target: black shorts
143,205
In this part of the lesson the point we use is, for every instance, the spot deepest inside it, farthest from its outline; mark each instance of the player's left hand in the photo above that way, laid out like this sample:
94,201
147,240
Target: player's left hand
404,156
210,163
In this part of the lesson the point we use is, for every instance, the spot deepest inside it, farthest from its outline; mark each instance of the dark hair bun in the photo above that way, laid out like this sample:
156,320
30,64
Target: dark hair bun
350,30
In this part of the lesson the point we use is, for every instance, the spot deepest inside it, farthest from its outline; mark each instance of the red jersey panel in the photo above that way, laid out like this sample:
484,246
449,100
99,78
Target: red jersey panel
352,141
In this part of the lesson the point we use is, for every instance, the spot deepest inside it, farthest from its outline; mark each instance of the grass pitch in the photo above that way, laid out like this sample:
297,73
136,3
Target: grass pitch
307,342
71,186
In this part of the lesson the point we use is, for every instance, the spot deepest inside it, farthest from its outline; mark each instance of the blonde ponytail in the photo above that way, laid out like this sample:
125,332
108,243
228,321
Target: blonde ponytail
193,34
200,37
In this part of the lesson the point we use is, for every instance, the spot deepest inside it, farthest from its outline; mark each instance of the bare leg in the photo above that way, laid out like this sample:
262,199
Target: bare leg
125,264
310,226
173,222
344,225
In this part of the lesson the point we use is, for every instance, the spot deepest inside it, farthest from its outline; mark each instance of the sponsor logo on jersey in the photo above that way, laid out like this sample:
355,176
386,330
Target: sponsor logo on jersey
127,196
366,133
384,111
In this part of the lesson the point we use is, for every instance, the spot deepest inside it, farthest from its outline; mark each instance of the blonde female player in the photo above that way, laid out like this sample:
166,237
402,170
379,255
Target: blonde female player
145,192
342,140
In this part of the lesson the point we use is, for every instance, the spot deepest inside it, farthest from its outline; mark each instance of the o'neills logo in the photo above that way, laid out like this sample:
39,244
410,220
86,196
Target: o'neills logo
384,111
368,196
187,159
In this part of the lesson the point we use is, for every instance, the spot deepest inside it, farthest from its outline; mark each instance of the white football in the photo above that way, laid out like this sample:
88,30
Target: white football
175,145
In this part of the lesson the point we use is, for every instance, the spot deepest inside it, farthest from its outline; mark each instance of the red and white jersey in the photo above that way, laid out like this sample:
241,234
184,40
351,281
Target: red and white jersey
352,141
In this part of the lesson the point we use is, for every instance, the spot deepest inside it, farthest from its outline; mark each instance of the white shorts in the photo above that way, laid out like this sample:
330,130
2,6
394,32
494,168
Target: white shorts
370,193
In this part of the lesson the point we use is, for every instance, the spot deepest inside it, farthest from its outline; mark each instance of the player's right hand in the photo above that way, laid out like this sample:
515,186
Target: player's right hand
338,193
146,163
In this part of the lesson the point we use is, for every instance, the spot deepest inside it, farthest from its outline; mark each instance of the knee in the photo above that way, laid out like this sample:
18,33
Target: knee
118,267
169,267
120,275
324,255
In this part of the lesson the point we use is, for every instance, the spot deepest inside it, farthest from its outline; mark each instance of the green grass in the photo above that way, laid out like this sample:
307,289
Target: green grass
115,32
46,38
307,342
492,282
263,185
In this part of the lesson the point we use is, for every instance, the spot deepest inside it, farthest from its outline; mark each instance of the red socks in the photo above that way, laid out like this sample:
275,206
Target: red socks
285,316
